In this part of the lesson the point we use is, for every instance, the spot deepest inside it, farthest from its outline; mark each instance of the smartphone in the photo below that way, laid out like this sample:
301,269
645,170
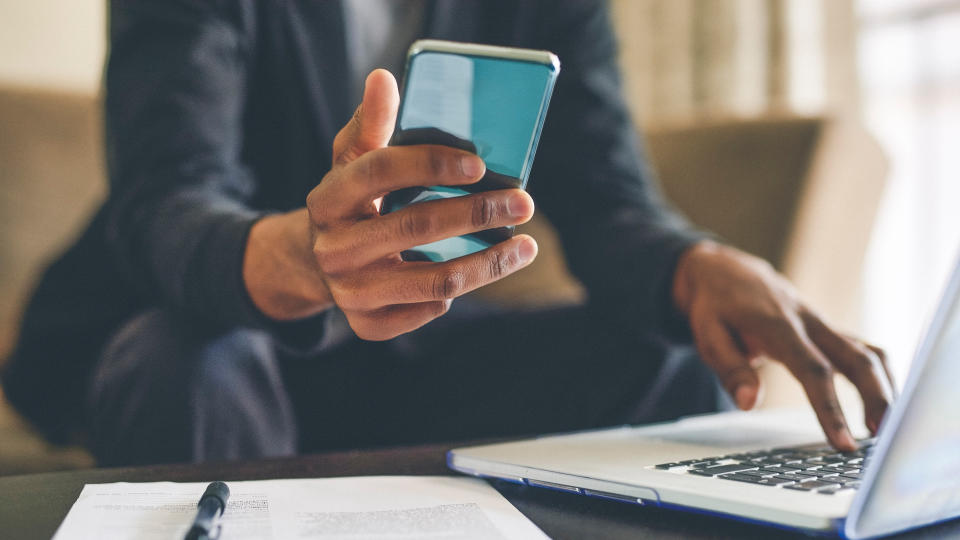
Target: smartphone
484,99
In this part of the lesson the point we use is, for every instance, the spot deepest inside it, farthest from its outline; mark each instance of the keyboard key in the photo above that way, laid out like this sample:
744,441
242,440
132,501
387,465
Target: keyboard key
765,460
758,474
740,478
723,469
831,491
775,481
791,477
665,466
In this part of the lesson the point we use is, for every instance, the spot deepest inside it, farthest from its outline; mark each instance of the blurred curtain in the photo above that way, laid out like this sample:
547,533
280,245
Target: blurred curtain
687,59
910,67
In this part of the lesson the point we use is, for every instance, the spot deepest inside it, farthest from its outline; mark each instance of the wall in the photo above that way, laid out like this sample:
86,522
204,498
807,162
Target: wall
700,59
60,44
52,44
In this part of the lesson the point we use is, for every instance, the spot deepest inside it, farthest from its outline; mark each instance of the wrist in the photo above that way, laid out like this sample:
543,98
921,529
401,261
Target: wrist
685,274
279,271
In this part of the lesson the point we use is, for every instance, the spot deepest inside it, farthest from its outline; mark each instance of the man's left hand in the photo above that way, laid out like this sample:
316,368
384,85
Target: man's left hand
740,309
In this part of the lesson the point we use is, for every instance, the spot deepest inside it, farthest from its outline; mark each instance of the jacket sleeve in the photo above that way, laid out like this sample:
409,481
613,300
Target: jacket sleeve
591,179
180,205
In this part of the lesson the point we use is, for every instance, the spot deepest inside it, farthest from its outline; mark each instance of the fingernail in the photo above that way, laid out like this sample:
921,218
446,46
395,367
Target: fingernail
745,396
847,439
844,440
518,205
471,166
527,250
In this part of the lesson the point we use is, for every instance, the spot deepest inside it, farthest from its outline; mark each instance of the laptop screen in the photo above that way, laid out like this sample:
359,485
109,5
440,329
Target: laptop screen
916,475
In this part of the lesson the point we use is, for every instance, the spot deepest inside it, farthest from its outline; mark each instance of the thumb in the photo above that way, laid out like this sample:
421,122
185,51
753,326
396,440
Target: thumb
373,122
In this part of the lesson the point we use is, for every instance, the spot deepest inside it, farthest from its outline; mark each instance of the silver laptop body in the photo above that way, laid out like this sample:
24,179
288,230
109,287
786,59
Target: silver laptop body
910,477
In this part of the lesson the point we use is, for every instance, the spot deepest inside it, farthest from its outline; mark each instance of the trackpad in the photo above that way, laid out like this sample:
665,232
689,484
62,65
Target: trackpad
739,436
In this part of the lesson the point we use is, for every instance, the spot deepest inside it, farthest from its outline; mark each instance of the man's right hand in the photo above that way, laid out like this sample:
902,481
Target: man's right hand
349,255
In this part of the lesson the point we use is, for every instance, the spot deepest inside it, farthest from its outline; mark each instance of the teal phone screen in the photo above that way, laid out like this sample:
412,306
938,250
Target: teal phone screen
490,106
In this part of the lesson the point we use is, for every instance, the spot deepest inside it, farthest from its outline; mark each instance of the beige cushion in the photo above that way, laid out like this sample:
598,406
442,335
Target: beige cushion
799,192
51,179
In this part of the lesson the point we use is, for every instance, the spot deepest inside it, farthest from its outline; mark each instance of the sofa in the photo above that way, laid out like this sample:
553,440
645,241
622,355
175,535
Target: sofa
780,187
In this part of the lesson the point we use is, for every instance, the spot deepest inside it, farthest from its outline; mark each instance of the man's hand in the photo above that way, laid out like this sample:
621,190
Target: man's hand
339,250
740,309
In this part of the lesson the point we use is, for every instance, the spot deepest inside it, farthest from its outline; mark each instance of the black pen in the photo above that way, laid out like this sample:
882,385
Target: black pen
206,526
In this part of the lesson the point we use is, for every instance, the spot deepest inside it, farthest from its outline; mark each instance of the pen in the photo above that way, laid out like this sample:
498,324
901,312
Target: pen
206,526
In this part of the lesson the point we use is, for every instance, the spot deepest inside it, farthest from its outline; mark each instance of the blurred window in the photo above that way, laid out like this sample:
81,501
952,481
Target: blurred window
909,59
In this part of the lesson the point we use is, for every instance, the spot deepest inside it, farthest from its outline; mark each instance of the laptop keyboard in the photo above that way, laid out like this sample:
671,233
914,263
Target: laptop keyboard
819,469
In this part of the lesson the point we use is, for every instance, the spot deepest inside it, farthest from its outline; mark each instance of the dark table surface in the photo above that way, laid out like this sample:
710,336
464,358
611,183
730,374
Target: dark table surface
32,506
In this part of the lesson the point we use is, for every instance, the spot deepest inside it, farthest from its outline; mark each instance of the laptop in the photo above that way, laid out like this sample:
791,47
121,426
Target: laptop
771,466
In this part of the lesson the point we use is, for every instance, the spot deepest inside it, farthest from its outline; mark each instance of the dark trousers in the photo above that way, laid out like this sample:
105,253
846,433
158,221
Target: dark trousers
165,391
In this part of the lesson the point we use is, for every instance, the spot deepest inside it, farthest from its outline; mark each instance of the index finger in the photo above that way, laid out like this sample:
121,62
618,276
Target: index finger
815,373
858,364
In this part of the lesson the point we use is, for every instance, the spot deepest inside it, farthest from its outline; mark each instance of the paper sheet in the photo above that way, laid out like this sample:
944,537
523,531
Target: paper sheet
370,507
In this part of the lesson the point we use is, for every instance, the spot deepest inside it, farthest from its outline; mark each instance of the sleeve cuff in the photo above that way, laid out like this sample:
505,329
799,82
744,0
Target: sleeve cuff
674,325
647,304
229,302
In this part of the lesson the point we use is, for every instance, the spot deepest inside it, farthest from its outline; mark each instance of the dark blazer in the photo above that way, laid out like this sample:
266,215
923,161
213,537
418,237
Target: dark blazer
218,112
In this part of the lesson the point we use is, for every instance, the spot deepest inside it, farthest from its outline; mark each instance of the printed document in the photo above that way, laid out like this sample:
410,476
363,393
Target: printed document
369,507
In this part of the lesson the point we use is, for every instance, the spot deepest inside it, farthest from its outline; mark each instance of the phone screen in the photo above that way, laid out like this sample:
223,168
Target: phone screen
491,106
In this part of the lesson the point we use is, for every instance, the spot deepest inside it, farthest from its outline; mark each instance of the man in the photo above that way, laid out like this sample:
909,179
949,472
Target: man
268,311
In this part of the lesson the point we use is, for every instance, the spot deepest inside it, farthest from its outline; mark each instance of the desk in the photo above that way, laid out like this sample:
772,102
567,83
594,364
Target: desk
32,506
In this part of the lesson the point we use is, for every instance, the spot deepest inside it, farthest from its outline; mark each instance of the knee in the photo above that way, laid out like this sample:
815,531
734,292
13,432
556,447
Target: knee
147,353
231,361
139,382
240,406
166,392
156,353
